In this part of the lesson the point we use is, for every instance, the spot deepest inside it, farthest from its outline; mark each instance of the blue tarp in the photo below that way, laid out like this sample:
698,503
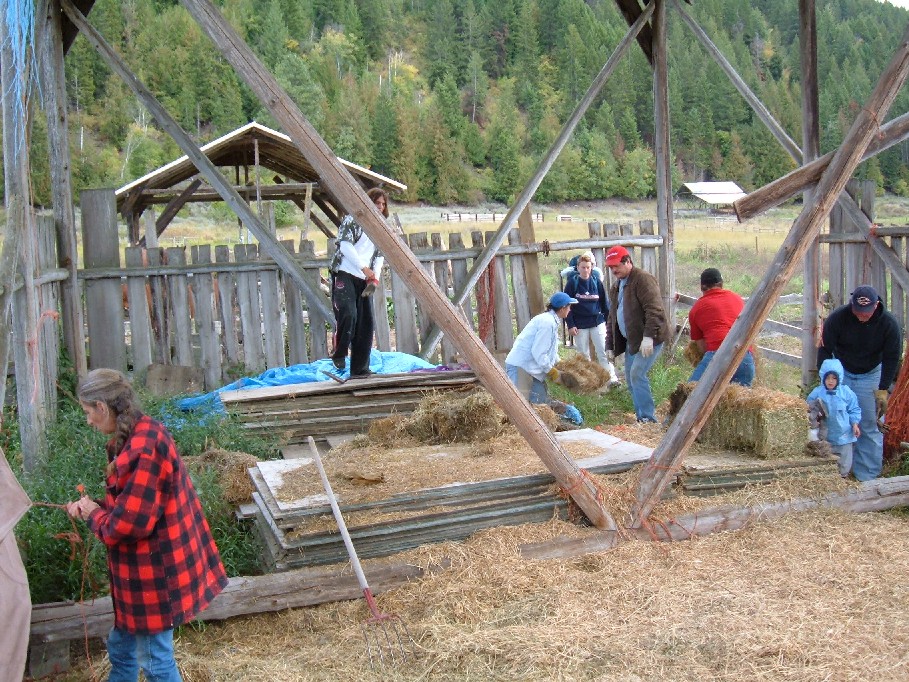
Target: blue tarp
379,362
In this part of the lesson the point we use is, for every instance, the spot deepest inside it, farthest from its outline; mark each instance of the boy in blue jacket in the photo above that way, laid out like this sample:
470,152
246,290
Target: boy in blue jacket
587,320
842,409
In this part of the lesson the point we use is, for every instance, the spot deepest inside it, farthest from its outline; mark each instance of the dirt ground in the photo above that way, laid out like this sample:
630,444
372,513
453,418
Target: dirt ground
818,596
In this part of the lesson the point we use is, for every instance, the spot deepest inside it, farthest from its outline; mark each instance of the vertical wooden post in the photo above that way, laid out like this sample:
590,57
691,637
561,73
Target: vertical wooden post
140,330
519,285
103,297
318,322
440,272
226,300
209,344
157,285
48,302
459,274
271,315
30,396
663,152
293,310
811,144
837,258
536,299
178,295
878,275
54,92
151,228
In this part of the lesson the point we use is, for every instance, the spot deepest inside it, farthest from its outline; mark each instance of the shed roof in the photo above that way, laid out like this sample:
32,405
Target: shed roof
276,152
715,192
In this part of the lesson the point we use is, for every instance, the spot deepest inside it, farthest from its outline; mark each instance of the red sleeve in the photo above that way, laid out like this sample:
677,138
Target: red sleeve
140,477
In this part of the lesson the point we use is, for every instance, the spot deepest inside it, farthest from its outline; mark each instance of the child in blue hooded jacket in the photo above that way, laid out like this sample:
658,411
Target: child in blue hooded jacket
842,409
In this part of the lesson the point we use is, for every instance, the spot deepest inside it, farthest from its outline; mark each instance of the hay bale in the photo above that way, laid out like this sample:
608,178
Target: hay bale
591,375
693,353
388,431
769,423
443,418
231,469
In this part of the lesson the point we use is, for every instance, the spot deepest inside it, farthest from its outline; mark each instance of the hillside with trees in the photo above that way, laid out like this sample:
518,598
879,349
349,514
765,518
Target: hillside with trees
460,98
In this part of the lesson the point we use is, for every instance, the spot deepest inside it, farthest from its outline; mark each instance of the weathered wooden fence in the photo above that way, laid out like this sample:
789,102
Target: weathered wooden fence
852,261
237,313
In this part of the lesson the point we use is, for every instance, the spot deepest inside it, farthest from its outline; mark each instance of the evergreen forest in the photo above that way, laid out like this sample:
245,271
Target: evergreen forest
459,99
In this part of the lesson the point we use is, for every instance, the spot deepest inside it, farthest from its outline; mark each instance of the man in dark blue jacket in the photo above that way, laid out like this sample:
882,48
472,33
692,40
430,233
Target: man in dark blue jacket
866,339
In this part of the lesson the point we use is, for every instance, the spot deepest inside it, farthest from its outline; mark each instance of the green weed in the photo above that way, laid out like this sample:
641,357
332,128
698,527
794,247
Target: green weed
76,455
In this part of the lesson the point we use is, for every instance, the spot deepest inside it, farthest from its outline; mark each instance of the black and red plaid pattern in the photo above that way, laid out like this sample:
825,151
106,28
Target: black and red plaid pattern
163,562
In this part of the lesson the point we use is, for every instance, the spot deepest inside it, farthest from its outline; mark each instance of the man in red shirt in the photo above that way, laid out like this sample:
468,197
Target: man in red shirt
710,318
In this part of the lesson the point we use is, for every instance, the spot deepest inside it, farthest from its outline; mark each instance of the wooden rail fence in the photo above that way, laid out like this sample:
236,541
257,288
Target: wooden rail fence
236,313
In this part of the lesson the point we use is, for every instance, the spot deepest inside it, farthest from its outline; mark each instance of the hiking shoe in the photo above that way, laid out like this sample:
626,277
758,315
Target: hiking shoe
362,375
339,363
646,420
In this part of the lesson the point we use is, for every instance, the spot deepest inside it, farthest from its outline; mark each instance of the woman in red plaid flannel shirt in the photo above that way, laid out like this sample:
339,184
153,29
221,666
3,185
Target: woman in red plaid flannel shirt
164,565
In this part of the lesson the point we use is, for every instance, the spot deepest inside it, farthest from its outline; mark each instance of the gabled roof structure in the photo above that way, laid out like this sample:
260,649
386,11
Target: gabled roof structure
244,148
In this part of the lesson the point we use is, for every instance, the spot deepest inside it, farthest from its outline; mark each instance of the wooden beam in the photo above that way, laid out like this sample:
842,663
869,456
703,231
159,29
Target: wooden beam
871,496
19,255
775,193
50,53
356,203
754,102
268,241
172,209
479,266
658,472
328,210
811,145
663,154
278,191
242,596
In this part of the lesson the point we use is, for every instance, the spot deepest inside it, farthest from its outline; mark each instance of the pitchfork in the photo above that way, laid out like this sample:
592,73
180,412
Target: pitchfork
386,635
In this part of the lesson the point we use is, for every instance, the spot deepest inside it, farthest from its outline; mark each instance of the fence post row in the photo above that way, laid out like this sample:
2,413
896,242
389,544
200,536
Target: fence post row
240,314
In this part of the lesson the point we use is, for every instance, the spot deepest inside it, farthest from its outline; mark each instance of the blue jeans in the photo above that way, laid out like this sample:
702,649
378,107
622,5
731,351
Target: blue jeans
868,450
744,375
153,653
636,369
539,394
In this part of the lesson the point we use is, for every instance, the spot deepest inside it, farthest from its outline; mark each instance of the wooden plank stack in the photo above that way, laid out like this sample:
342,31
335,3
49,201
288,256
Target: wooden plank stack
320,409
706,482
450,512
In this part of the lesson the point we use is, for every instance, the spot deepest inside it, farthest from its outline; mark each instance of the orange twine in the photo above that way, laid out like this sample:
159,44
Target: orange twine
74,539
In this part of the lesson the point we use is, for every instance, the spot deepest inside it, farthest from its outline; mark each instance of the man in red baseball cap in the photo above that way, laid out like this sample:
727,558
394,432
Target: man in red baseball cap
638,326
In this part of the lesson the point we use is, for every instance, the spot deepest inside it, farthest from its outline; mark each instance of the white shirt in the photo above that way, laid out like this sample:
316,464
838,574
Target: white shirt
536,350
357,255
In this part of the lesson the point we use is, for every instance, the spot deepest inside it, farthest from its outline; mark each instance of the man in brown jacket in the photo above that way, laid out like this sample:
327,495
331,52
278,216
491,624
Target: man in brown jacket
638,326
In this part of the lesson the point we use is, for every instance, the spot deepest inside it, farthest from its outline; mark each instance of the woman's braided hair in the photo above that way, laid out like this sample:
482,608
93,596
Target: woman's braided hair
114,390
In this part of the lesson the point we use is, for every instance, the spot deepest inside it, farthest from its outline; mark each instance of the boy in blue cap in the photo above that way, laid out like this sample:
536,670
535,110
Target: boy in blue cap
536,350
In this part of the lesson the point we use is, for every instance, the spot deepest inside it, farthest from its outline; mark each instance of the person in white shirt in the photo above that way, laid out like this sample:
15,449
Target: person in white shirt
536,350
355,268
